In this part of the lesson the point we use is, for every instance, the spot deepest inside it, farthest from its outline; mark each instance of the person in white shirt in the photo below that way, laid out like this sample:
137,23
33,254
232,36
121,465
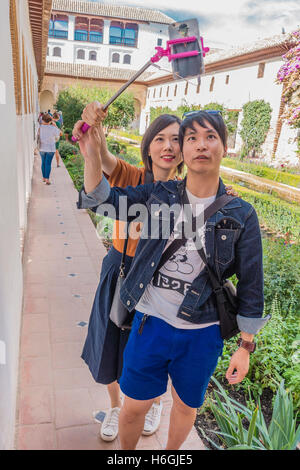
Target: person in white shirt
48,135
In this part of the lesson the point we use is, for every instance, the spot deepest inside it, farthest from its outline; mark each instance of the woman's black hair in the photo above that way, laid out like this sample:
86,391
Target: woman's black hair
215,120
160,123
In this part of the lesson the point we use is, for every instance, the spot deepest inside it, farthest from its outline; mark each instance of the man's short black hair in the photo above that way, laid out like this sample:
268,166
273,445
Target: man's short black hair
215,120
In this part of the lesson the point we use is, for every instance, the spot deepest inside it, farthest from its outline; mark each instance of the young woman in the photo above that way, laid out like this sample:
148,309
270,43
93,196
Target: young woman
47,136
105,343
56,119
176,328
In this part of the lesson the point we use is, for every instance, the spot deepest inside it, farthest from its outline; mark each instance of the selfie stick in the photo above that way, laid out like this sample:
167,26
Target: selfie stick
159,54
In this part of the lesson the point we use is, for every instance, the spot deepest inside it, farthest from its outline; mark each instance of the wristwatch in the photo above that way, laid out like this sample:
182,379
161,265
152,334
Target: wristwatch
248,345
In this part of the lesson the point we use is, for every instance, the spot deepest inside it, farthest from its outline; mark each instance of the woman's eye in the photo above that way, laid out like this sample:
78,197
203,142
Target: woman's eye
211,135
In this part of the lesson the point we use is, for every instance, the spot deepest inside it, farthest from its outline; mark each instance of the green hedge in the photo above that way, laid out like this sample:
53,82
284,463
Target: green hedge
263,171
276,214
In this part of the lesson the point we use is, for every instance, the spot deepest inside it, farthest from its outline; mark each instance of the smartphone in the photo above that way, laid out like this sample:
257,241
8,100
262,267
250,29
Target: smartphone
189,66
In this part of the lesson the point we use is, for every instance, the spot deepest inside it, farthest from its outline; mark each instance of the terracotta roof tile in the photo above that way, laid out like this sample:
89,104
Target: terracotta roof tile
260,44
92,71
114,11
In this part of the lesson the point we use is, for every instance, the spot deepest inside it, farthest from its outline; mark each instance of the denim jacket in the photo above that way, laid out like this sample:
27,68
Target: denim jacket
232,242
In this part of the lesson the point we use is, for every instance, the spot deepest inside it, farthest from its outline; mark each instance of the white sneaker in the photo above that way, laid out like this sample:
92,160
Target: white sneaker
110,426
152,419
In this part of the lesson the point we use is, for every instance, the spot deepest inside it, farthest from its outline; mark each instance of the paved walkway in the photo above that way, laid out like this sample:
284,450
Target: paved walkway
57,395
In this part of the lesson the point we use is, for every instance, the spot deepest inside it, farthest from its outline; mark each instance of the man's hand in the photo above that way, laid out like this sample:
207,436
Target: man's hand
238,367
93,114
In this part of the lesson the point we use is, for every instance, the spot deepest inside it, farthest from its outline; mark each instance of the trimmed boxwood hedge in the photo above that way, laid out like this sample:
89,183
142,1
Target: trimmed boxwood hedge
263,171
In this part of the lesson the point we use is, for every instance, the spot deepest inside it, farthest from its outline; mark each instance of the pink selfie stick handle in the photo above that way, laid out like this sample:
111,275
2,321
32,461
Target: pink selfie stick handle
83,129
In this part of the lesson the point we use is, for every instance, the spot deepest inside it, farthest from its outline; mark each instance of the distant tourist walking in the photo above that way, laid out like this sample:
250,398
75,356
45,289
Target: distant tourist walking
56,121
47,136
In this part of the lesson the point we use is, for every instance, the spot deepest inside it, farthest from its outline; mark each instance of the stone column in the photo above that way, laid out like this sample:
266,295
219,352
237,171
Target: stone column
106,31
238,140
71,28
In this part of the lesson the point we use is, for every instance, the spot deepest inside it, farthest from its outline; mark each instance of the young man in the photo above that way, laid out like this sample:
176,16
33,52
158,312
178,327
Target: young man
176,330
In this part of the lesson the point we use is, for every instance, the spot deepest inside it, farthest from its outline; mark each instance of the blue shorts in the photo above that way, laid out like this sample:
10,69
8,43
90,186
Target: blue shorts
189,357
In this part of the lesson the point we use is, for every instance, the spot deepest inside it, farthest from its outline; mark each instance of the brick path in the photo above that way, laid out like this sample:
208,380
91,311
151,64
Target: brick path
57,394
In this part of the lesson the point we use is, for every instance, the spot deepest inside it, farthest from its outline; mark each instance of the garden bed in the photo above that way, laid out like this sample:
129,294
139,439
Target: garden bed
206,421
272,174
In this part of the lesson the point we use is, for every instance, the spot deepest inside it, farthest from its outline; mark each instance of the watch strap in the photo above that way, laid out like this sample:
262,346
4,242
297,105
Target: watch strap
248,345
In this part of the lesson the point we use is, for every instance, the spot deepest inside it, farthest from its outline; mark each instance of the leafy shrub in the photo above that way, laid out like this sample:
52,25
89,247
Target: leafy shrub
73,100
281,275
276,356
274,213
75,166
66,148
255,124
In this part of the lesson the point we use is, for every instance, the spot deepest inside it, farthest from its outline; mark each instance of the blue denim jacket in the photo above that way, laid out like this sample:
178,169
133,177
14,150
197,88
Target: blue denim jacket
233,246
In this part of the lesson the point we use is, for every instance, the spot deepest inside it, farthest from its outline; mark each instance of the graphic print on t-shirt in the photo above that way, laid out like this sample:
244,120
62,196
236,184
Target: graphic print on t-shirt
182,269
178,262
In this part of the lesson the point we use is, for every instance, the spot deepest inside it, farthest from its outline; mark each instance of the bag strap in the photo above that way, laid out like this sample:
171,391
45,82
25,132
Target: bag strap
122,264
213,278
208,212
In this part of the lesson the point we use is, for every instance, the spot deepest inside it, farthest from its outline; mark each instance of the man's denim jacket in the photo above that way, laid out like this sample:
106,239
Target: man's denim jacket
232,242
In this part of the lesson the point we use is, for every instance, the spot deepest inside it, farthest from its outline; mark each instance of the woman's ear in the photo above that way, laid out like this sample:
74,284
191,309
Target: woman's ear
225,151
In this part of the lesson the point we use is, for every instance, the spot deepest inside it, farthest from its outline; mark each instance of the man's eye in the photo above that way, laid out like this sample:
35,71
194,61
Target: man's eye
211,135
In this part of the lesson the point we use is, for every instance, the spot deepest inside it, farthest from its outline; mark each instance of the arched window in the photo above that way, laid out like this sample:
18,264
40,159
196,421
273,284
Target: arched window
130,34
125,35
81,29
57,52
80,54
115,57
58,26
93,55
115,32
96,30
126,59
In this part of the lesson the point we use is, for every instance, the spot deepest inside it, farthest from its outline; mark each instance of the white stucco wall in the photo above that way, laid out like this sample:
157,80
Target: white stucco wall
243,86
147,41
16,156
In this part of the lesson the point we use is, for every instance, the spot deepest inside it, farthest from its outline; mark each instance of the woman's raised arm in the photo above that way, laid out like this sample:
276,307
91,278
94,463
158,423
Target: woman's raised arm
93,115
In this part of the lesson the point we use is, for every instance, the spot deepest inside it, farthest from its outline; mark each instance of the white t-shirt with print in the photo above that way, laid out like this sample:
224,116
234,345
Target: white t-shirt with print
165,293
48,136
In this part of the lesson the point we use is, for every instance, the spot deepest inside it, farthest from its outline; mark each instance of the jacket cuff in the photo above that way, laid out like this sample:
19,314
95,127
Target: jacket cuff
94,198
251,325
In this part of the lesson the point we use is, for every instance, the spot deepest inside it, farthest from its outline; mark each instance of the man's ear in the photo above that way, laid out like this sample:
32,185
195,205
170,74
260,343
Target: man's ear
225,151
